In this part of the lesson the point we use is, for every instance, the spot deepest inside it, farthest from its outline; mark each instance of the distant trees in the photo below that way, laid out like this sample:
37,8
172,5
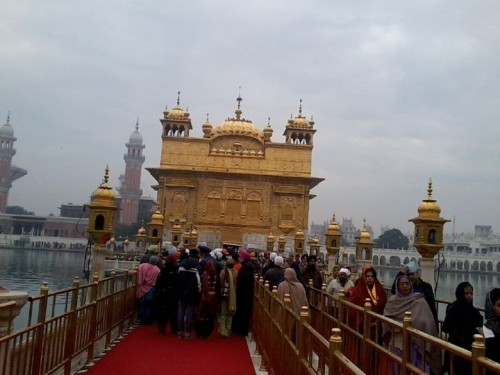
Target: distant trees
392,239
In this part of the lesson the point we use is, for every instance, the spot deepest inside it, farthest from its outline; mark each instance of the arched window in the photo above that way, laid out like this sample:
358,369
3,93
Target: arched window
155,232
432,236
99,222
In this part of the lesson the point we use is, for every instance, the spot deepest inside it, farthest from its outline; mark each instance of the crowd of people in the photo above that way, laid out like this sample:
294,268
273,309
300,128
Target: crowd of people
199,289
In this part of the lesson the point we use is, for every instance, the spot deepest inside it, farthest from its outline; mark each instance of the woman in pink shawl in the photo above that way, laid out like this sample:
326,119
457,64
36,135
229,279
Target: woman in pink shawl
423,320
146,280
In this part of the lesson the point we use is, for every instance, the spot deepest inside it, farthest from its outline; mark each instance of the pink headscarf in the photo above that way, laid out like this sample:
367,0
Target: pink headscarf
243,254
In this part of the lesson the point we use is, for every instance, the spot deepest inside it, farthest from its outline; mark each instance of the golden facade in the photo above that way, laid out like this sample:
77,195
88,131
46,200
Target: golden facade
235,181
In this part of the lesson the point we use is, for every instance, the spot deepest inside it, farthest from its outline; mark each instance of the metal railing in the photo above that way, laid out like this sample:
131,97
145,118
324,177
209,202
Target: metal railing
334,336
68,328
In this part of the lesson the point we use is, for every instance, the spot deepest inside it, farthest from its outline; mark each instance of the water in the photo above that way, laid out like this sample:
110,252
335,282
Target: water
26,270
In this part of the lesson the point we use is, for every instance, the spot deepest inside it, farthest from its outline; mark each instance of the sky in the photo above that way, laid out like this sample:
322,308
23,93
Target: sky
400,92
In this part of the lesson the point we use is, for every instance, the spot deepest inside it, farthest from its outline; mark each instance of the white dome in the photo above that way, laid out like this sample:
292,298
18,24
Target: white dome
135,138
6,131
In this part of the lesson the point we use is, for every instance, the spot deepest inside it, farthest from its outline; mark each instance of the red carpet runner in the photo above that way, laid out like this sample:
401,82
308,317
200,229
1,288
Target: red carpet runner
144,351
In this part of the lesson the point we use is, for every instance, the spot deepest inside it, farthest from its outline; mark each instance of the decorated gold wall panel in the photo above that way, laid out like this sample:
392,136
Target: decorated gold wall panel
186,154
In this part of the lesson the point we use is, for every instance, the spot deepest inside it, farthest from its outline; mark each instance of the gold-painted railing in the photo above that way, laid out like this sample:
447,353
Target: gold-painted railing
68,328
334,336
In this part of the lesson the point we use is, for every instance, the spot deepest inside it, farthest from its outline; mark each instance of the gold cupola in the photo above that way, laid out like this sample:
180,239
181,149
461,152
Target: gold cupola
299,241
176,122
268,131
333,237
207,128
270,242
140,239
314,246
102,212
155,228
429,226
364,244
299,130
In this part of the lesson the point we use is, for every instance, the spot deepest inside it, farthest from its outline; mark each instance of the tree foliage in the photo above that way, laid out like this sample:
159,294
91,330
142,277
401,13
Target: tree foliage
392,239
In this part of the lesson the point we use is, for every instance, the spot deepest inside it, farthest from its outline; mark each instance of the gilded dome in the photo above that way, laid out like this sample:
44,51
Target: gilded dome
238,126
429,207
157,218
177,113
333,228
364,235
104,193
141,231
299,121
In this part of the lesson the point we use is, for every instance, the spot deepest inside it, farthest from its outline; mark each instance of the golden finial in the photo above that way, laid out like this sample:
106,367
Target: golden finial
269,122
429,189
300,108
178,97
137,124
333,217
106,174
208,115
239,100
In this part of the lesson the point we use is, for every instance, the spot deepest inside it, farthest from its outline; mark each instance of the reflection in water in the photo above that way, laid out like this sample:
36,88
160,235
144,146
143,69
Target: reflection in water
26,270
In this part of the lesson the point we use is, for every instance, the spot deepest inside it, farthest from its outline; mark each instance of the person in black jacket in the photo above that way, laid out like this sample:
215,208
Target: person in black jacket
189,288
244,295
461,323
491,327
165,302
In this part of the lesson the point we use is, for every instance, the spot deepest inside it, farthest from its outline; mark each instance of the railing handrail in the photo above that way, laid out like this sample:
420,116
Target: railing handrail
270,322
73,337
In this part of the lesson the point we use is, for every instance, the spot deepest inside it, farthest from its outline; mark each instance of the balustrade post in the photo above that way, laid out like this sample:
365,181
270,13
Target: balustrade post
110,308
366,336
285,321
39,335
335,346
341,307
303,338
406,342
123,305
69,347
94,288
478,350
92,330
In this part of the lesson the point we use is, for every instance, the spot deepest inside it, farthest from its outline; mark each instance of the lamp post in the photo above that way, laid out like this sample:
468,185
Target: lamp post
428,238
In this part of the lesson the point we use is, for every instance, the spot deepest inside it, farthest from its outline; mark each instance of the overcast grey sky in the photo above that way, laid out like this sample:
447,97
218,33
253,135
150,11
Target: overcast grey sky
400,91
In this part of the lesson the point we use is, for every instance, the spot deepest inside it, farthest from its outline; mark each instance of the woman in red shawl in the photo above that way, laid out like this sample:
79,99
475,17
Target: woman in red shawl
367,287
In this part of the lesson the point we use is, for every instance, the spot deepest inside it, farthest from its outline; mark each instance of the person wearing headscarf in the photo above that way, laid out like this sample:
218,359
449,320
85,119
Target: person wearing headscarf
228,277
207,311
166,296
461,323
147,274
368,288
405,300
292,286
244,295
491,327
311,272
